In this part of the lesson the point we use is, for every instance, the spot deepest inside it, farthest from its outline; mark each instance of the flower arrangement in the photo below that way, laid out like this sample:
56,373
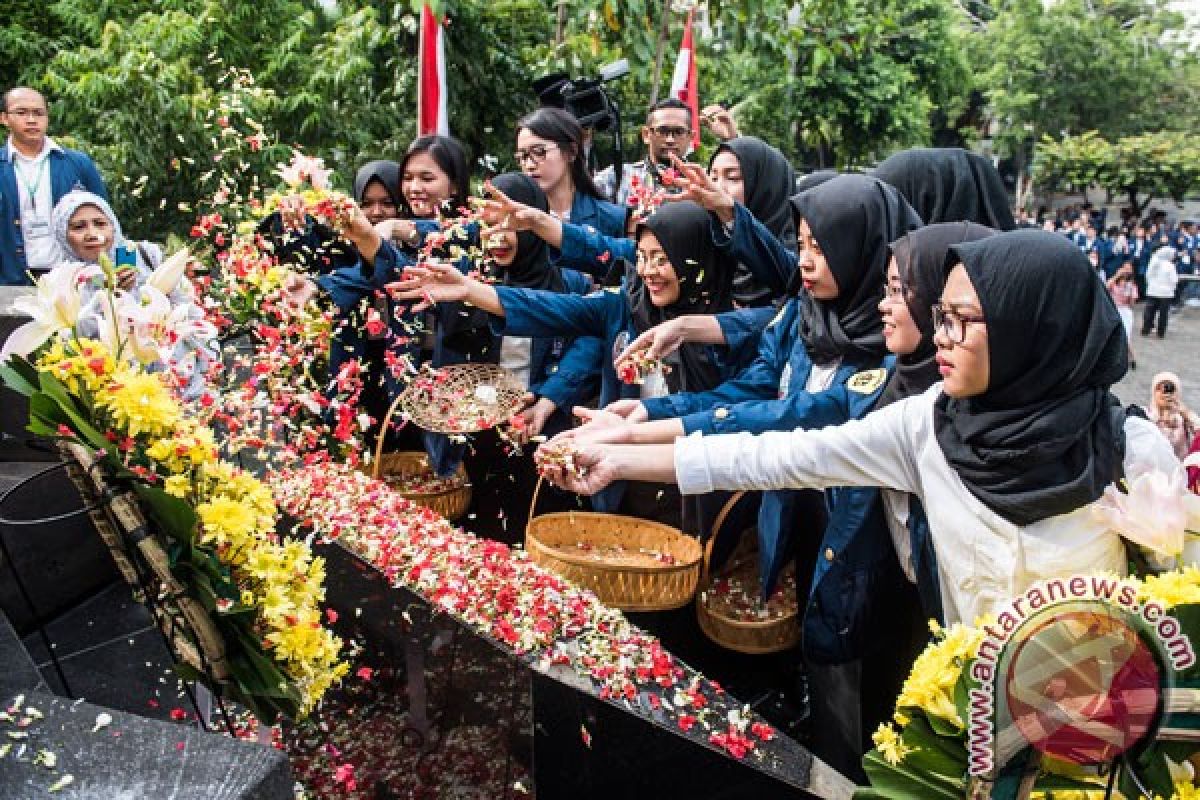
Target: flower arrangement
119,396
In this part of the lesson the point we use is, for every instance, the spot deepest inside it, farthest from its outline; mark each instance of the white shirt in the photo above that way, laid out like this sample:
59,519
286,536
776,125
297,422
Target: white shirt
515,355
35,211
983,559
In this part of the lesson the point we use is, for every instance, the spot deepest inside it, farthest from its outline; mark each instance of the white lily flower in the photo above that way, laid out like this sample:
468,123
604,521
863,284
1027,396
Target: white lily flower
1152,512
166,276
57,306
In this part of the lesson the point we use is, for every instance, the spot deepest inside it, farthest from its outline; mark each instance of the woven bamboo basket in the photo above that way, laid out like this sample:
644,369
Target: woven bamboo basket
143,563
466,398
552,541
451,503
754,637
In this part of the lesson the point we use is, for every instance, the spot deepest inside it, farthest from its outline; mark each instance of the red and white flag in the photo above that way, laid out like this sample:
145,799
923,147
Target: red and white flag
431,78
683,81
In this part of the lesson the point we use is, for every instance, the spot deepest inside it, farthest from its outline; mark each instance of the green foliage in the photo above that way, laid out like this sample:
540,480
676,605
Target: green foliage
1162,164
136,83
1068,67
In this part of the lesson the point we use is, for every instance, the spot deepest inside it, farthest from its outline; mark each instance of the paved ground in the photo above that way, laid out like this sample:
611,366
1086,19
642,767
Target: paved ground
1179,352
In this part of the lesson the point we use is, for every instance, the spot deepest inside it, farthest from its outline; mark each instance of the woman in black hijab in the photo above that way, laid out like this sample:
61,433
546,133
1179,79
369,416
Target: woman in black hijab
949,185
920,275
1044,437
759,178
1022,434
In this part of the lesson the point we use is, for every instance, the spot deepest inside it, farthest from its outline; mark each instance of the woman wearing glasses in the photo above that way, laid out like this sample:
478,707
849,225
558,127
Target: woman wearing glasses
550,149
1006,454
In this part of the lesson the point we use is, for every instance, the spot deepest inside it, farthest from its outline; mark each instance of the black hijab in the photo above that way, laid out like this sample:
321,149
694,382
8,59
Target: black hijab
466,329
853,218
949,184
1045,437
705,287
386,172
531,267
770,181
921,259
814,179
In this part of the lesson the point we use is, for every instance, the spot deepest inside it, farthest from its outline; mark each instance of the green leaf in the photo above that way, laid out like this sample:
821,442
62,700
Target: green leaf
175,516
17,379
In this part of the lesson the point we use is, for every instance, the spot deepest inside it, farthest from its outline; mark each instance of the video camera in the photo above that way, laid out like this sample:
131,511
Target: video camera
584,98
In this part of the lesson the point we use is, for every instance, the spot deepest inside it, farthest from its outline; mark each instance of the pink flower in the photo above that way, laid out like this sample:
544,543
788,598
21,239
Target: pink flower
1152,512
305,169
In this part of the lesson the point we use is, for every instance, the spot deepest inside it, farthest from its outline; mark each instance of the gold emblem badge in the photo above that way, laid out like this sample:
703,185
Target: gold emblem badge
867,382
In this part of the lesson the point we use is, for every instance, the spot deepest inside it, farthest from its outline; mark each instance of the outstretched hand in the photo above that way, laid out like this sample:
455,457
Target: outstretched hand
589,470
658,342
430,284
694,184
500,211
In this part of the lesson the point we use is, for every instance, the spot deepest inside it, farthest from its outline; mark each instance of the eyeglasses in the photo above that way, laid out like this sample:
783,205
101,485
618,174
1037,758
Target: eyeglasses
534,155
893,291
670,131
952,323
21,113
657,263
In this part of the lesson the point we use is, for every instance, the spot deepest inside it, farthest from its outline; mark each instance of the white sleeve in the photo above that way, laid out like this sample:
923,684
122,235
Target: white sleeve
877,450
1146,449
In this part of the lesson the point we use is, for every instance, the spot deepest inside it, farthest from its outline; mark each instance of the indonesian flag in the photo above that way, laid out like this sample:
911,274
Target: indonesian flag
683,81
431,78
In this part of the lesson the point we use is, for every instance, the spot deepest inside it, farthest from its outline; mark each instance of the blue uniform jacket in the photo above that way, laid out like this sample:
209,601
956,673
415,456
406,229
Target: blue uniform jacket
69,169
856,559
605,315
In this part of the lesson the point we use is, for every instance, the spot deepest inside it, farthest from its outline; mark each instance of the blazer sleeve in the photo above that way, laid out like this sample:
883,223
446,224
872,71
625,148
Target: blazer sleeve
589,250
759,381
573,380
536,312
771,264
798,410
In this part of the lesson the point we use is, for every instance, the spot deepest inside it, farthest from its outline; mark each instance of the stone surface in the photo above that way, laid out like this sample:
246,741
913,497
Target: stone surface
134,758
18,673
62,563
1179,352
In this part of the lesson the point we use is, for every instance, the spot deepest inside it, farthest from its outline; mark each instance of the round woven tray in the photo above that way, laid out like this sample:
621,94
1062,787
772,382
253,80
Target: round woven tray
755,637
451,502
462,398
631,564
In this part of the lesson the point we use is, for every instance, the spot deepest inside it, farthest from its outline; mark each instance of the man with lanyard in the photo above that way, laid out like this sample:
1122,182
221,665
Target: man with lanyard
667,133
35,172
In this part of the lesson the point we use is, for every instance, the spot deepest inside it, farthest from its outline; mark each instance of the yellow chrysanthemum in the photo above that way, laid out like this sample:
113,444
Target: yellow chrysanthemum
1176,588
930,684
178,486
890,745
140,403
227,521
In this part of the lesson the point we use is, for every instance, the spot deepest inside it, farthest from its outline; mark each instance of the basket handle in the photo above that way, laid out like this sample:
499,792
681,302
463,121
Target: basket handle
726,510
537,489
387,420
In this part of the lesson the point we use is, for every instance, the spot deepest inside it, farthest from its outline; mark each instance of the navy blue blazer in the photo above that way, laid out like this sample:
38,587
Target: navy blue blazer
69,169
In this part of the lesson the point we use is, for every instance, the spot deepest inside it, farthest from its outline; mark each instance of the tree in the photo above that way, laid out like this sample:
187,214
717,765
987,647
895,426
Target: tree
1078,65
1142,167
